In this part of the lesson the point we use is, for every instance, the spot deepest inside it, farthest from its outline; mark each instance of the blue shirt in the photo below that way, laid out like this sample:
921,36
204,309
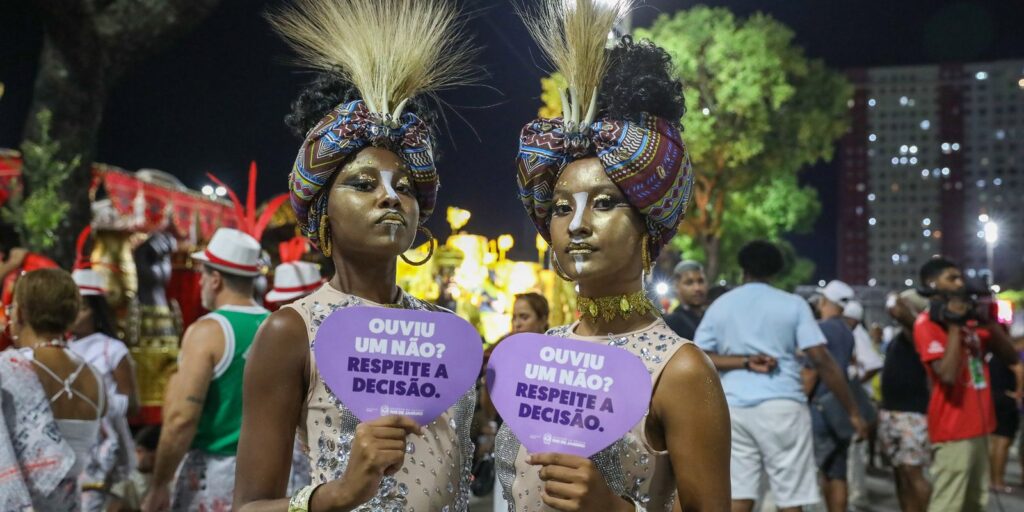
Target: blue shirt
840,343
757,318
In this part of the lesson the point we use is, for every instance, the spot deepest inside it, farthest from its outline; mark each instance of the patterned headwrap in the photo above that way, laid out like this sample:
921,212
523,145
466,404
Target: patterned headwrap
347,129
646,159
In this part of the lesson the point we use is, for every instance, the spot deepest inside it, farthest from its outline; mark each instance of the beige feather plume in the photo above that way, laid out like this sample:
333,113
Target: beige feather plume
573,35
391,50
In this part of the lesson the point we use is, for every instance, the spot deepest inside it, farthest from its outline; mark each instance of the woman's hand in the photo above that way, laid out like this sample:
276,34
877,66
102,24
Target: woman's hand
572,483
378,450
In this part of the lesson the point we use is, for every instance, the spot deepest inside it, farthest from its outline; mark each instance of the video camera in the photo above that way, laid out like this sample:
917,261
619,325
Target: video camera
981,304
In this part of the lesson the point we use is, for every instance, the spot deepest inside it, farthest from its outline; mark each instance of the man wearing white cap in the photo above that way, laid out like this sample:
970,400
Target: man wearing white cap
830,449
866,364
203,406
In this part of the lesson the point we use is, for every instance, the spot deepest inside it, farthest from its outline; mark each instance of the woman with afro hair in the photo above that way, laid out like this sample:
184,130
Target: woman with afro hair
363,183
607,184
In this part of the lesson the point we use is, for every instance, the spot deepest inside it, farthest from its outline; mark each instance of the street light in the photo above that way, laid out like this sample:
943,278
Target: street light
991,230
221,191
661,289
207,190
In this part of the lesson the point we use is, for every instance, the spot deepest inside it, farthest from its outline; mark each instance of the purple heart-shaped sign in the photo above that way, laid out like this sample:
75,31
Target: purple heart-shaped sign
382,361
567,396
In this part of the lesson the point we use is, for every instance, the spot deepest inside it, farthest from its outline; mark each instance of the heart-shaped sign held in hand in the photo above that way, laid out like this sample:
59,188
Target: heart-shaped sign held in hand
382,361
567,396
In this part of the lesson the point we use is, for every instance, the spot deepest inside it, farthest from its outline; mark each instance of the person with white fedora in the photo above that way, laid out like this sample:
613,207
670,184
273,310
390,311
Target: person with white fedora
95,340
203,407
294,280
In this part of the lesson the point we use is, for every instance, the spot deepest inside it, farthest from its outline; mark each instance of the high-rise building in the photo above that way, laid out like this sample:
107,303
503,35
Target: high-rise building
933,164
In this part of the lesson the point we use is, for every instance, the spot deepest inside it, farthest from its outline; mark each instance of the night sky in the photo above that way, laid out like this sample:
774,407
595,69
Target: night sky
216,98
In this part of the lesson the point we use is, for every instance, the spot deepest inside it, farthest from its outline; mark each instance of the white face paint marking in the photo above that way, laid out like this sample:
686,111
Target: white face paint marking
385,177
581,202
580,198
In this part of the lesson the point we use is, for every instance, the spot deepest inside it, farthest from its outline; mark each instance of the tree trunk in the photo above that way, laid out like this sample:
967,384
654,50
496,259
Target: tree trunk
712,246
87,47
76,100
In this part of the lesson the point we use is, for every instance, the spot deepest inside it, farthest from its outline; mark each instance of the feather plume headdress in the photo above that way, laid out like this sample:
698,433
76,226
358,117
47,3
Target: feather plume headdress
390,51
573,35
644,157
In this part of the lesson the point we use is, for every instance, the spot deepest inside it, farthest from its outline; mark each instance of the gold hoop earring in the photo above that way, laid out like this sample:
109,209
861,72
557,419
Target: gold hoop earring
645,252
324,234
556,267
430,250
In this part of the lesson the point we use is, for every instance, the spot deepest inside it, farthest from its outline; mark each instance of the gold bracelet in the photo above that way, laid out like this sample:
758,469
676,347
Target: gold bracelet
299,502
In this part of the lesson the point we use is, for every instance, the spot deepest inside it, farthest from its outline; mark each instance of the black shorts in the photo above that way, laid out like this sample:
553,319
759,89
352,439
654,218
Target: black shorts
1007,418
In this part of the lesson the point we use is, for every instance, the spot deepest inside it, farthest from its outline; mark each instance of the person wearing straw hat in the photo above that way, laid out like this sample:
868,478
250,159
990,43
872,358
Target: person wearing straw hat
95,340
203,407
363,183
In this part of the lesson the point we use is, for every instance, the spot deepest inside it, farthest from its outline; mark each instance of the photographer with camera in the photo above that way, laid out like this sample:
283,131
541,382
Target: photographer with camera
952,338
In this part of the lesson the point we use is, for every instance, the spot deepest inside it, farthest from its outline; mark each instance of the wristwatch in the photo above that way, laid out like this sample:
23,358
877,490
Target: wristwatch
299,501
746,363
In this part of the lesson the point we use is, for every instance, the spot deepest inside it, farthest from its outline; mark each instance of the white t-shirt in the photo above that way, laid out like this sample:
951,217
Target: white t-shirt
867,358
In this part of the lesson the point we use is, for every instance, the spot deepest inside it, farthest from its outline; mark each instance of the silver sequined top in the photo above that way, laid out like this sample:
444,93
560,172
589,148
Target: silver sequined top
630,466
436,472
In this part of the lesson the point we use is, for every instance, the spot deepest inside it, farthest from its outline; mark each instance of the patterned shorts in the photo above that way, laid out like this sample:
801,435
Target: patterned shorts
904,437
205,483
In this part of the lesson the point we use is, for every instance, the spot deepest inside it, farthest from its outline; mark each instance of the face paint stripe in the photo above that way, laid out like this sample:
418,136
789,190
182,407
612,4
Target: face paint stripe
385,178
581,202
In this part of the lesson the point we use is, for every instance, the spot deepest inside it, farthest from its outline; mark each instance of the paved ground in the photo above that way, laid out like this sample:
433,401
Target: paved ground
882,494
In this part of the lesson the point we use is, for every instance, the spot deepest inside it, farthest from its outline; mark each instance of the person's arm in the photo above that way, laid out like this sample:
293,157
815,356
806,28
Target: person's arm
276,375
696,427
758,363
947,368
868,375
835,379
276,380
14,260
183,405
126,383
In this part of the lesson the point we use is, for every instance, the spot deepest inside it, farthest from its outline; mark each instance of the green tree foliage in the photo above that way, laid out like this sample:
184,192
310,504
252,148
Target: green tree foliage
758,110
770,210
35,208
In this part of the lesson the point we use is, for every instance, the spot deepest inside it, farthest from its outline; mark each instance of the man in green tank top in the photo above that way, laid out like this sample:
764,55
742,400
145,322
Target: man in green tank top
203,403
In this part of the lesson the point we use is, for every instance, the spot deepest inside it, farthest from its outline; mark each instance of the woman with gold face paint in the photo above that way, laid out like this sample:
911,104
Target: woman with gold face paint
607,185
362,185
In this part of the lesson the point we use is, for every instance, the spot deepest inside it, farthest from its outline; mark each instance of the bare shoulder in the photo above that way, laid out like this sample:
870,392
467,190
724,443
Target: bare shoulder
689,366
282,338
204,333
284,329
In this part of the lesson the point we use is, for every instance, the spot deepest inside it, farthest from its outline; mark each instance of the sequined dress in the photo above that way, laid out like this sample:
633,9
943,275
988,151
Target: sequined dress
630,466
436,473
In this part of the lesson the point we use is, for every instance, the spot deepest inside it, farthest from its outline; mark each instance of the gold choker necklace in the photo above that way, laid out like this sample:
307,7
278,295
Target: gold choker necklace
609,307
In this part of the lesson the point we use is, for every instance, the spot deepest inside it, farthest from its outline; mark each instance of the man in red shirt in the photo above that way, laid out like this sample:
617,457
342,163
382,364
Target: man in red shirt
952,342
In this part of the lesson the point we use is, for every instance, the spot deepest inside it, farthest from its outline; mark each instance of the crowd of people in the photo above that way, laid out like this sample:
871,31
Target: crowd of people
943,411
756,393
